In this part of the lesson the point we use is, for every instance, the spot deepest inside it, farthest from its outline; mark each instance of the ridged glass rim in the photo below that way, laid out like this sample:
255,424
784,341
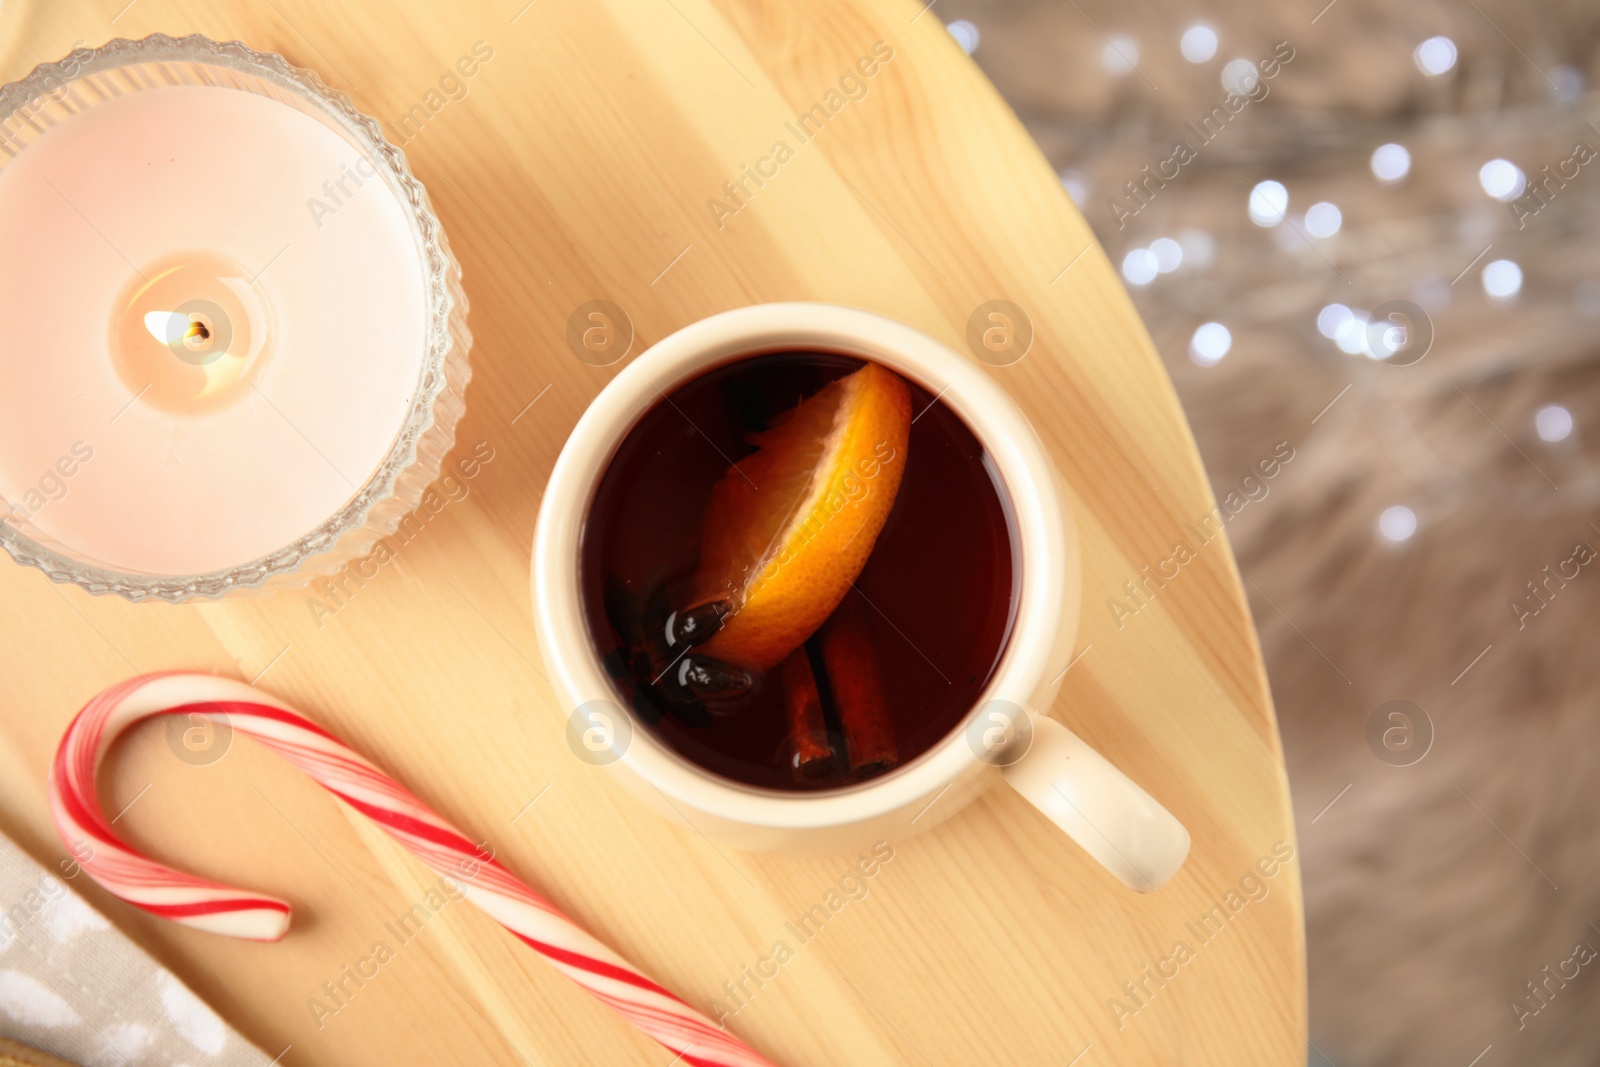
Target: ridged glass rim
377,506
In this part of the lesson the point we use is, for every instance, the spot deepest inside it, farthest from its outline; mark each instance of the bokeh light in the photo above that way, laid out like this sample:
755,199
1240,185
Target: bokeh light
1240,76
1077,185
1391,162
1502,279
1323,219
1168,253
1553,422
1120,55
1210,343
1331,319
1199,43
1385,338
1352,335
1397,523
1139,267
1269,202
966,35
1502,179
1435,56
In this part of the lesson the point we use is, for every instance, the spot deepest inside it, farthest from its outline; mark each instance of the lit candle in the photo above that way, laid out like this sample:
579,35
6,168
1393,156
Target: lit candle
217,302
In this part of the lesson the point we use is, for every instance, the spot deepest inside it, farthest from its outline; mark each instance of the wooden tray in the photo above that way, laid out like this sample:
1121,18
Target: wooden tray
576,163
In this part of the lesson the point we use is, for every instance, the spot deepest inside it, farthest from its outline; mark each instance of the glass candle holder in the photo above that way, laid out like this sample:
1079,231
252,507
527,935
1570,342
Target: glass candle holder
236,336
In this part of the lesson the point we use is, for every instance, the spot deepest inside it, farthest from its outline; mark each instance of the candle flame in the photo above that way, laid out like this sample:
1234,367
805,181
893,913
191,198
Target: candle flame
170,327
165,326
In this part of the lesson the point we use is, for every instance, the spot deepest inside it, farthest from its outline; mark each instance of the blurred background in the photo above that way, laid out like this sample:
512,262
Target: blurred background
1379,220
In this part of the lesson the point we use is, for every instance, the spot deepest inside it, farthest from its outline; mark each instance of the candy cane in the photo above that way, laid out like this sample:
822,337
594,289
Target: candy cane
208,905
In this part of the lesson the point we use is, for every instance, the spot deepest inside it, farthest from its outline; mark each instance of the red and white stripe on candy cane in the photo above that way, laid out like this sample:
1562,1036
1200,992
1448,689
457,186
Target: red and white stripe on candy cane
184,898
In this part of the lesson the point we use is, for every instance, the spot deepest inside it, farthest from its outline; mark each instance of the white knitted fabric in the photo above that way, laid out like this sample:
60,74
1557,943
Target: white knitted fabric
73,986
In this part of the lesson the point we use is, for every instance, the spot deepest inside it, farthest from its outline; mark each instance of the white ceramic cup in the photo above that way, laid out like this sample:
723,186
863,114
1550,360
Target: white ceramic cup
1006,734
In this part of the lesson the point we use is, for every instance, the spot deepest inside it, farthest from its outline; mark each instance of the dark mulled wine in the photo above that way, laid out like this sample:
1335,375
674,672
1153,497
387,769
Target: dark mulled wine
798,569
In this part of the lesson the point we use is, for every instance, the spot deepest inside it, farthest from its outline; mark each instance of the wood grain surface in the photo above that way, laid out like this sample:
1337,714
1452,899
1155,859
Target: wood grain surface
577,164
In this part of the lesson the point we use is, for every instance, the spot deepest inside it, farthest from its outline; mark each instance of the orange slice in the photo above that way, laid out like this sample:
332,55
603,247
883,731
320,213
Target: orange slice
790,526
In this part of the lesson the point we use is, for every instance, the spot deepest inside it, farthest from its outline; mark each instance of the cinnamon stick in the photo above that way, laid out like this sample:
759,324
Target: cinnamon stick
857,687
813,756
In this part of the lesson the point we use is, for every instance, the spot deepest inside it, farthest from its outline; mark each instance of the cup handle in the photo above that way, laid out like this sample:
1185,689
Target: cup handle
1099,807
